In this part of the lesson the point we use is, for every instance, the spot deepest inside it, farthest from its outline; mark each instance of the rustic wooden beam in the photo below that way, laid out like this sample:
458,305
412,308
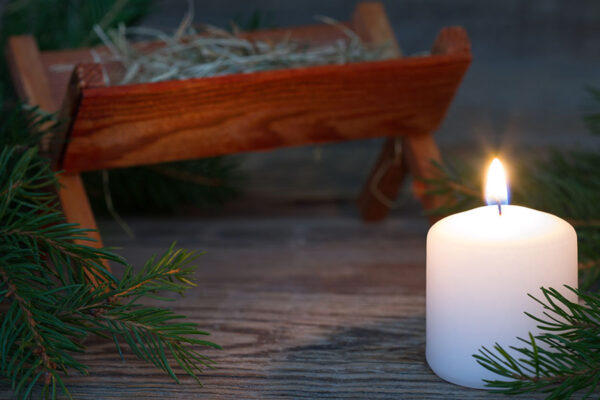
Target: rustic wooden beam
140,124
30,80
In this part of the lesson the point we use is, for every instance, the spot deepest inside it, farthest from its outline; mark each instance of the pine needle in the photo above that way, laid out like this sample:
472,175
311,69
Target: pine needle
50,305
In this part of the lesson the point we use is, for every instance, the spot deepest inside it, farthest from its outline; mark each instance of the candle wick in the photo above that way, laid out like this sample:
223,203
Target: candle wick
499,208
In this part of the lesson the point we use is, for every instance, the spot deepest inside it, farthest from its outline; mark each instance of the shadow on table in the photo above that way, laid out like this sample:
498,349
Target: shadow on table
385,360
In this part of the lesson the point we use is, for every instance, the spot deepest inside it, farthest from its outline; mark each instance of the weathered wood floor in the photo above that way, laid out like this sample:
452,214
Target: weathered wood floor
305,308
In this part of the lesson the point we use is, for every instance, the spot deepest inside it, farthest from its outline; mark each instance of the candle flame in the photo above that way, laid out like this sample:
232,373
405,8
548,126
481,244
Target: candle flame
496,190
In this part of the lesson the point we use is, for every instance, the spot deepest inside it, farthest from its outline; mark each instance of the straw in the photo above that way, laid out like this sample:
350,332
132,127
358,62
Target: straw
189,53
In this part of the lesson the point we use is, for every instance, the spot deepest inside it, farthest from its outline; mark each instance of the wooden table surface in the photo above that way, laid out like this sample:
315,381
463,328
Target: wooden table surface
305,308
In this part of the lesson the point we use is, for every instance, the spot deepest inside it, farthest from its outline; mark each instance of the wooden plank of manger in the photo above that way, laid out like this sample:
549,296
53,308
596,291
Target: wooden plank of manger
120,126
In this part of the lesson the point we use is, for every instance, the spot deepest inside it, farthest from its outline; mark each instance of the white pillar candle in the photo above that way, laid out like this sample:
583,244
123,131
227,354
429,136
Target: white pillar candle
481,265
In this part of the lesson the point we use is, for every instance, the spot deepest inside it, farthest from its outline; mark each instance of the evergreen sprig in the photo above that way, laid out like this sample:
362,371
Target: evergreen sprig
56,292
560,361
59,24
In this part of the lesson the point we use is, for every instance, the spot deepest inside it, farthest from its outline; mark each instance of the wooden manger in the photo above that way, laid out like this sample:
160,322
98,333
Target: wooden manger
404,99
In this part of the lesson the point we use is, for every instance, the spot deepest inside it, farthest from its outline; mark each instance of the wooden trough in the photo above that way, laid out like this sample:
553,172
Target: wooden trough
404,99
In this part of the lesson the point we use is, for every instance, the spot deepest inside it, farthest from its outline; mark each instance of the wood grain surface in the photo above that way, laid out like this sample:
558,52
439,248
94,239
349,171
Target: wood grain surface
305,308
149,123
119,126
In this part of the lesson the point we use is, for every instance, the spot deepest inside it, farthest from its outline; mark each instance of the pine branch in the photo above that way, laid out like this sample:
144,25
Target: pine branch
67,24
31,220
167,273
64,316
47,303
23,126
562,360
35,344
151,333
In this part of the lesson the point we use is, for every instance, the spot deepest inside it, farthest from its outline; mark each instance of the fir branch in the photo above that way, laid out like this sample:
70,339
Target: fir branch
35,344
152,333
115,15
167,273
48,304
68,23
560,361
23,126
30,219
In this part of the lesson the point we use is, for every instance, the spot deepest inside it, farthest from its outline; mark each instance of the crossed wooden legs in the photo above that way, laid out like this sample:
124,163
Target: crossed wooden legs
414,154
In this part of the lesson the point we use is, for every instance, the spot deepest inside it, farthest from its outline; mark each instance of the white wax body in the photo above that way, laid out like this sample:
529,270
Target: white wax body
480,268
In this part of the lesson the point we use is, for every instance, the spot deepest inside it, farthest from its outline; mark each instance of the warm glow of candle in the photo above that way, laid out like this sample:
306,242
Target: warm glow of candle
481,266
496,191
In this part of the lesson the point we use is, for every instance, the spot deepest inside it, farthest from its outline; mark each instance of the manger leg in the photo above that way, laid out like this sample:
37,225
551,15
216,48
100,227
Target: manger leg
31,81
382,186
76,206
77,209
420,152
